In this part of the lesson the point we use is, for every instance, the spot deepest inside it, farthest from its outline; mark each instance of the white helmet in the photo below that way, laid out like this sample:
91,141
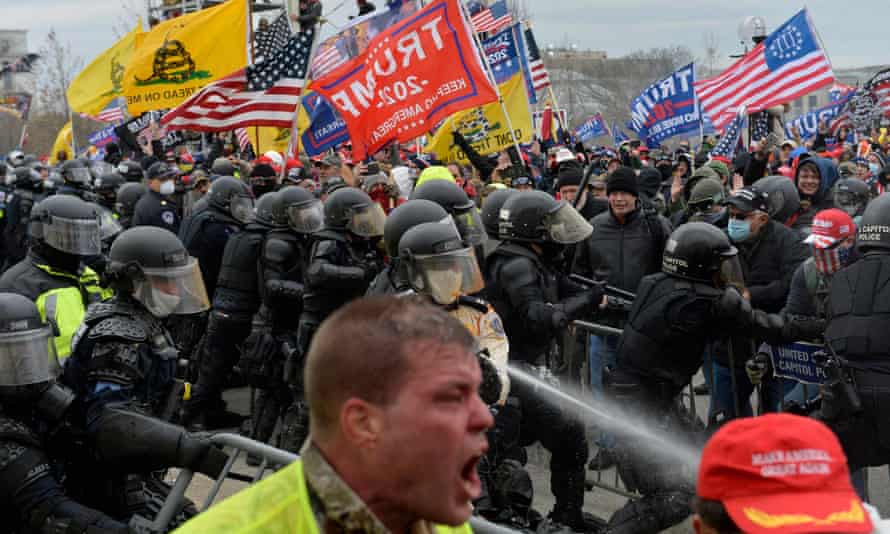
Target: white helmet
275,157
16,158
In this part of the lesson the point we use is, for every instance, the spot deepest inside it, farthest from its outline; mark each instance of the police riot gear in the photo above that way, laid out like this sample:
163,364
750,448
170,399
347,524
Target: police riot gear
784,198
451,197
851,195
131,171
26,193
437,263
106,189
127,197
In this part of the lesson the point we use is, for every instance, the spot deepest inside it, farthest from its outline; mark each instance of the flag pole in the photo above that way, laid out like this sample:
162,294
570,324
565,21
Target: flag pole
292,143
491,78
565,127
73,139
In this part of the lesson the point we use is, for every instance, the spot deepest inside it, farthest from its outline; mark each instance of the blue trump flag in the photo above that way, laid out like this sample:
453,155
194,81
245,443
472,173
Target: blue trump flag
326,129
808,123
502,53
593,127
617,135
666,108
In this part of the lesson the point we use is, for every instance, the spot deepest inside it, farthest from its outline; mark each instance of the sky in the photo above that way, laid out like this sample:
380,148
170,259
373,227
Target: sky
855,34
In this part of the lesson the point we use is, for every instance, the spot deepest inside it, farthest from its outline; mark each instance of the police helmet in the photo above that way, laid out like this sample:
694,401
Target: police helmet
153,265
784,199
300,210
350,209
491,210
406,216
67,224
698,251
706,202
109,226
76,172
222,167
231,196
536,217
27,178
451,197
438,263
266,209
106,186
851,195
28,360
131,171
127,197
874,229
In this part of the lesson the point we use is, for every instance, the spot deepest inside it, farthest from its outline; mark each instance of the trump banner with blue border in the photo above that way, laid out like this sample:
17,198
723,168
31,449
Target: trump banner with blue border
412,76
593,127
808,123
326,129
666,108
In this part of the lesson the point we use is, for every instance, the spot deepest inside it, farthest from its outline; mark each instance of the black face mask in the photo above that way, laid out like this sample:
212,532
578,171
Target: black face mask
665,170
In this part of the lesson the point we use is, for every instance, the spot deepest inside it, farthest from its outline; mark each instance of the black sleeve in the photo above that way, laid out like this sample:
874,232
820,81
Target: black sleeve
278,257
754,170
799,301
792,253
482,164
324,269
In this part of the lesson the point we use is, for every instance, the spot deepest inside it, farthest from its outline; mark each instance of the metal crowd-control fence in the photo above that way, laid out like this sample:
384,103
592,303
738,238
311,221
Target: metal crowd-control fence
271,459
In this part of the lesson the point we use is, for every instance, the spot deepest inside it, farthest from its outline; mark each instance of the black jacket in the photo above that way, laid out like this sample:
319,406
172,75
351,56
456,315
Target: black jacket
768,264
154,209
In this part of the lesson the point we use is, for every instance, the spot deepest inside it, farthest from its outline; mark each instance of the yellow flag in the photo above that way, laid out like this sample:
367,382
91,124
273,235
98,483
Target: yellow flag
63,143
180,56
486,127
269,138
101,81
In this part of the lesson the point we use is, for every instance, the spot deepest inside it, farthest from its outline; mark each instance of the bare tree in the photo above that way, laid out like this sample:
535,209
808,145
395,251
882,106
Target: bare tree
129,15
56,69
712,52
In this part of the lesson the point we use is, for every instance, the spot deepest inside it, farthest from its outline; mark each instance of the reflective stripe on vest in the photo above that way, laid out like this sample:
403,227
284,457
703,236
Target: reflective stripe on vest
278,504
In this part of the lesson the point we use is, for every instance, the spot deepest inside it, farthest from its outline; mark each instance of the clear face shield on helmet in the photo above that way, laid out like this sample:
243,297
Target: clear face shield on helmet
306,217
28,357
849,202
566,226
447,276
80,237
79,175
367,221
731,273
469,225
241,208
173,290
108,226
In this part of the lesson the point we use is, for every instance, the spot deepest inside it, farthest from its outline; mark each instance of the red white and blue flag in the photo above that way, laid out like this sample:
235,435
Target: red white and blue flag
787,65
879,85
732,135
492,19
539,76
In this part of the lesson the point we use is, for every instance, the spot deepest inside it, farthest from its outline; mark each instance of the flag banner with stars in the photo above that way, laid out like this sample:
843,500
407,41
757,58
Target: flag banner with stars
879,85
411,76
732,135
502,54
264,94
491,20
274,38
787,65
593,127
808,124
618,136
760,122
666,108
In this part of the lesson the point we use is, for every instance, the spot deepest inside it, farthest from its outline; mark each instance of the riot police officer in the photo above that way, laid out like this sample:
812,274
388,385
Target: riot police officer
400,220
536,301
491,213
157,207
695,298
131,171
64,232
851,195
857,333
235,301
127,197
106,189
28,192
272,341
343,259
31,404
463,210
230,207
78,180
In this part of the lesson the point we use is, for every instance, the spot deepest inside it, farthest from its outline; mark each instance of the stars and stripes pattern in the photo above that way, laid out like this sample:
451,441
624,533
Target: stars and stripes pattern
492,19
539,74
274,38
243,138
760,126
879,85
113,112
838,91
264,94
729,142
788,65
328,58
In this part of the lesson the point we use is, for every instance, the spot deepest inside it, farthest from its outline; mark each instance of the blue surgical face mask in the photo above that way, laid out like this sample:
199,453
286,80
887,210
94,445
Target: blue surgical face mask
738,230
874,168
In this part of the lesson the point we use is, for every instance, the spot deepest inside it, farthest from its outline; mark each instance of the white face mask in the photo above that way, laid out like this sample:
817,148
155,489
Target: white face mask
158,303
167,188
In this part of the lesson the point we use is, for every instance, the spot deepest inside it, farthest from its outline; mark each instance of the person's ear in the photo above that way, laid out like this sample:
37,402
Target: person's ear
361,422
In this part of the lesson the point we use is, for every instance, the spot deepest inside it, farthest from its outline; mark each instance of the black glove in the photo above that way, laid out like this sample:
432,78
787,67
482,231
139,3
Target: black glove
803,328
733,305
490,389
260,362
202,456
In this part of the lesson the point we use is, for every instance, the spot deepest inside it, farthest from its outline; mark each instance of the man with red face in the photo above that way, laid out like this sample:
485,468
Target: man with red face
397,428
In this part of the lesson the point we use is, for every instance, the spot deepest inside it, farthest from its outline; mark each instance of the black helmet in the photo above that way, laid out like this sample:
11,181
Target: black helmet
107,185
491,210
222,167
131,171
535,216
153,265
851,195
231,196
451,197
350,209
438,263
784,199
874,229
406,216
300,210
27,178
266,209
697,251
109,226
28,358
67,224
75,172
127,197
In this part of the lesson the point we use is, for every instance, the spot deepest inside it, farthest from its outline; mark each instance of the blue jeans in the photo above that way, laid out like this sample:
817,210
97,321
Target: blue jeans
773,390
601,351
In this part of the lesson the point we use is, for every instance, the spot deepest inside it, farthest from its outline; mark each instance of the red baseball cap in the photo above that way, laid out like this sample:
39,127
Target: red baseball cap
781,474
830,227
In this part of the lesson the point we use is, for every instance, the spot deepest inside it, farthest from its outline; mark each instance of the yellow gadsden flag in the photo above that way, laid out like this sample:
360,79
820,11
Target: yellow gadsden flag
180,56
101,81
63,143
486,127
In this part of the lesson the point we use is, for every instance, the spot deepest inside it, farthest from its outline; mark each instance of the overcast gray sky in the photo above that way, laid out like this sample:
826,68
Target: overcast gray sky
856,33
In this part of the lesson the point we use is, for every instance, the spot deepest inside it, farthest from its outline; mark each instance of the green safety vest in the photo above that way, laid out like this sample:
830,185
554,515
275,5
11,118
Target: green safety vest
65,307
278,504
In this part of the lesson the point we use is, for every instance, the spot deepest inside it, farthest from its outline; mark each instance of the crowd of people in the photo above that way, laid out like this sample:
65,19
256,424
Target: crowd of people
359,301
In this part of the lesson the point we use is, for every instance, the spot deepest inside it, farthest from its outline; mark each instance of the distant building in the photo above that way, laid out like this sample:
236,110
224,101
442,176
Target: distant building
817,99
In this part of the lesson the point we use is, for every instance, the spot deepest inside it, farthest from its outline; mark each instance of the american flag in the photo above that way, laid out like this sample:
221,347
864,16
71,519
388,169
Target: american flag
243,138
540,76
839,91
787,65
328,58
264,94
274,38
761,126
729,142
879,85
492,19
113,112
